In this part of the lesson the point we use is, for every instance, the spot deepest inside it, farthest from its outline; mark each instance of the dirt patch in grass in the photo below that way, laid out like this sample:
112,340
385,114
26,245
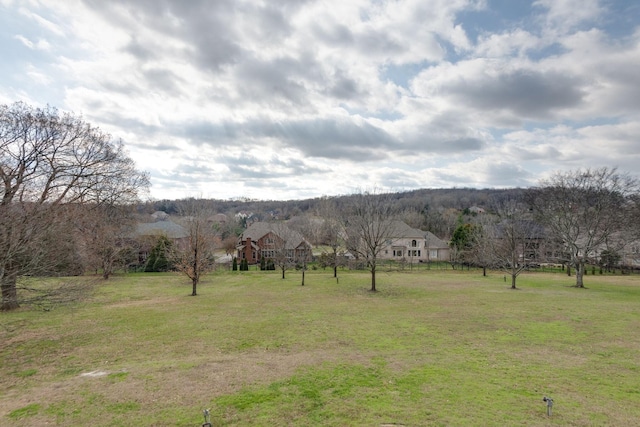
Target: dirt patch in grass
146,302
187,382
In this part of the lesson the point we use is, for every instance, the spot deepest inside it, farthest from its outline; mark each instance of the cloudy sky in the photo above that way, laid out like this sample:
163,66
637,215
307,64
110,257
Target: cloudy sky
292,99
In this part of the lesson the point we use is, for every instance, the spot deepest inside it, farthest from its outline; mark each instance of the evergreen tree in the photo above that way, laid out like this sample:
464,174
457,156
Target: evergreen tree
158,260
148,268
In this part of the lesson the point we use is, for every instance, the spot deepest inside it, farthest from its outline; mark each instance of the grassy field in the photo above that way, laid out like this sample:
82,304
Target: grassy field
430,348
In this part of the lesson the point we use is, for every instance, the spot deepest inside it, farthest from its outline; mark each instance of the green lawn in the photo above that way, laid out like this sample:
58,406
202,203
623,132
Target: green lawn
441,348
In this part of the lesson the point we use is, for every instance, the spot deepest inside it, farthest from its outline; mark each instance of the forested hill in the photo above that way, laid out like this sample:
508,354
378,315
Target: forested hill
423,208
423,199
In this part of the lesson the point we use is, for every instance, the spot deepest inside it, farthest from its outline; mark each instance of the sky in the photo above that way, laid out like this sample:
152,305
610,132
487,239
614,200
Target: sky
295,99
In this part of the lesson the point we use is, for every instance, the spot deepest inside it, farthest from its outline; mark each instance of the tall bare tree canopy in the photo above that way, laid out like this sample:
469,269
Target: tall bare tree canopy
49,162
583,209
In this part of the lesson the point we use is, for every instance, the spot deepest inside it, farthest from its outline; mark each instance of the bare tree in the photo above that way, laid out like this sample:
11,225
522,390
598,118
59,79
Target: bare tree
229,244
194,257
106,231
481,242
368,224
49,161
582,209
514,237
331,231
289,248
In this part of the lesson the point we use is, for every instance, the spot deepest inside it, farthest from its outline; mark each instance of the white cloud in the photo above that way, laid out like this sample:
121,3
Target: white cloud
42,22
564,15
280,100
41,44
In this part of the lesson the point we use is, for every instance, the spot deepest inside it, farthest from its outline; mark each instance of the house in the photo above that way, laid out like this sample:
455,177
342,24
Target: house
218,218
414,245
476,210
270,240
147,234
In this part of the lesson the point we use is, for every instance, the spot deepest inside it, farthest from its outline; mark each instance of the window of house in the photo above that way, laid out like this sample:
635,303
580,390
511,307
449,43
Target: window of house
414,243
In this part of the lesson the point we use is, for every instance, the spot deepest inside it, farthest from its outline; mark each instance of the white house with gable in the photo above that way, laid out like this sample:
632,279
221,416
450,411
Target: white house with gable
414,245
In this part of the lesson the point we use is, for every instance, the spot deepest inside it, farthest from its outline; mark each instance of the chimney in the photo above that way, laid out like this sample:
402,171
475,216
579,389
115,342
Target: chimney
247,249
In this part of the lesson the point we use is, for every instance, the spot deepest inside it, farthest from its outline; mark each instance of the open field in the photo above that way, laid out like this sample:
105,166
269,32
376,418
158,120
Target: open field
431,348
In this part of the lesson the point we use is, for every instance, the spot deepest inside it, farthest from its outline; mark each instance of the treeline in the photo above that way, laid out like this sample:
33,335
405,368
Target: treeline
434,210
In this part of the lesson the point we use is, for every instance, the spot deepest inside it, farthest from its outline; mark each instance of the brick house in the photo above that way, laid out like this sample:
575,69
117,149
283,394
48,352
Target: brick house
269,240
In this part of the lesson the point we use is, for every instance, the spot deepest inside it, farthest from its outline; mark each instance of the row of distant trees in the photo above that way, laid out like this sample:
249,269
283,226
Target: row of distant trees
573,218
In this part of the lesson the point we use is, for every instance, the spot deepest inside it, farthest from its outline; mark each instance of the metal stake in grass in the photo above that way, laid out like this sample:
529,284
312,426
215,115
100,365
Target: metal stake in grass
207,418
549,404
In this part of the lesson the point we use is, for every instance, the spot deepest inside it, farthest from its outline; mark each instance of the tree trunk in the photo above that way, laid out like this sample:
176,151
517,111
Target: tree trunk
579,274
373,278
484,271
303,277
513,281
9,291
107,267
283,269
194,283
335,271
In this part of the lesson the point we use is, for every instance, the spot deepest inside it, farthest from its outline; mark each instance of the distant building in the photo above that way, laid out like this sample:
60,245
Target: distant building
268,240
414,245
160,216
148,233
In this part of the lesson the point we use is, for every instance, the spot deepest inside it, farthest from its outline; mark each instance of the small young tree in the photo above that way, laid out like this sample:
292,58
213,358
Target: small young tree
513,238
105,231
282,243
331,231
481,243
368,224
195,257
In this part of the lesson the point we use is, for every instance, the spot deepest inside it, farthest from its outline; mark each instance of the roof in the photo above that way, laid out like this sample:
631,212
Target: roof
160,215
161,228
257,230
400,230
